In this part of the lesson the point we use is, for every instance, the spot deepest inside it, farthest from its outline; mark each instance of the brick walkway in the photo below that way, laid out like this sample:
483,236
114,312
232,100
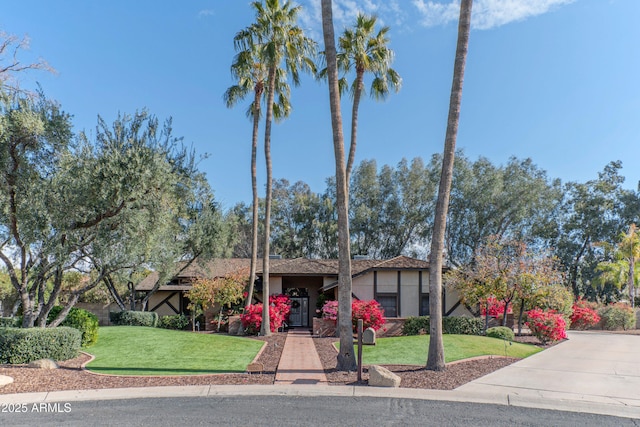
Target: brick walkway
300,363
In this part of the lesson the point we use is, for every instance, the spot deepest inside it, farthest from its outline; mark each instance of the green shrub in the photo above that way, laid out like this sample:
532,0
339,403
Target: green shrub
134,318
416,325
618,316
178,322
10,322
501,332
26,345
450,325
462,325
80,319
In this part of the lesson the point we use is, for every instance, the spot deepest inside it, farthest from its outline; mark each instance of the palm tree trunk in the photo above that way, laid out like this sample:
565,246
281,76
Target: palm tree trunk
254,202
265,328
346,357
354,122
435,358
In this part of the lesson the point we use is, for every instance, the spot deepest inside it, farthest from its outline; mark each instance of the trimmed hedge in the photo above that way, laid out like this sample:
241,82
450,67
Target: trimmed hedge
134,318
450,325
10,322
177,322
501,332
19,345
80,319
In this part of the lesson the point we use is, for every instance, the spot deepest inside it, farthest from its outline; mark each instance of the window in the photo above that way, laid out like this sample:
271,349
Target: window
424,305
389,303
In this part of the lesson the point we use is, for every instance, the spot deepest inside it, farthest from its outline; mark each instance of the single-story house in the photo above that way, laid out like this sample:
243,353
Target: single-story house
400,285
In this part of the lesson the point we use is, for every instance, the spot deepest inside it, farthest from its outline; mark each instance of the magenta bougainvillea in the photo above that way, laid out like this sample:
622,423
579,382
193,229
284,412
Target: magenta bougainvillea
371,313
584,314
495,307
279,309
547,326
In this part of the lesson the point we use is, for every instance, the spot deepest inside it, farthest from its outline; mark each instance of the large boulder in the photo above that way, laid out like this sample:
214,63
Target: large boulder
382,377
44,364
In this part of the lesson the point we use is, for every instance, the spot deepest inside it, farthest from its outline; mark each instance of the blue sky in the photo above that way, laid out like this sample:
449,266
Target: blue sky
553,80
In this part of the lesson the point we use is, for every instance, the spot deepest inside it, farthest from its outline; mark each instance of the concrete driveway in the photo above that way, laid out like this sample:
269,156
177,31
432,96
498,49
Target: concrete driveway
591,368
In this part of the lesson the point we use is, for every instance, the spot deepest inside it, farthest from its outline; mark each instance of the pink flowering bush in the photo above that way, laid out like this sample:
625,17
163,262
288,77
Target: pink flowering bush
495,309
370,312
584,315
279,309
330,310
547,326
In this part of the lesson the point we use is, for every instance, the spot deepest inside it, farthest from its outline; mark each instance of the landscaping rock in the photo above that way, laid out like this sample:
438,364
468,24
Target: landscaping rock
44,364
382,377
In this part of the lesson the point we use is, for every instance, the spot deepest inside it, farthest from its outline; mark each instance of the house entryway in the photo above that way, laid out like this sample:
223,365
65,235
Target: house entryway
299,314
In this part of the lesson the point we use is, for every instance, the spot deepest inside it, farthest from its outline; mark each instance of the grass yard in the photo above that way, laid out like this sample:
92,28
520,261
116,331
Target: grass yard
412,350
137,350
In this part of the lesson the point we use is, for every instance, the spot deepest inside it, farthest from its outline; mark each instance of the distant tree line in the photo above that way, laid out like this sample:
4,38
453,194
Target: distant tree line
388,206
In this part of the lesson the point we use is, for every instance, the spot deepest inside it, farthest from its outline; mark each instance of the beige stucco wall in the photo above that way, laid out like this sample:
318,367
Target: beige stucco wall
387,282
164,310
452,298
409,294
275,285
362,287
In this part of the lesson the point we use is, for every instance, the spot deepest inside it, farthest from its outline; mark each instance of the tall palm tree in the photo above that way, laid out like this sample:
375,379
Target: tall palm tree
346,357
361,50
280,45
365,52
251,76
435,358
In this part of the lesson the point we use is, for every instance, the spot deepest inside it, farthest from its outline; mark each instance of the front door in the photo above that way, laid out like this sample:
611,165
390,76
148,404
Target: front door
299,315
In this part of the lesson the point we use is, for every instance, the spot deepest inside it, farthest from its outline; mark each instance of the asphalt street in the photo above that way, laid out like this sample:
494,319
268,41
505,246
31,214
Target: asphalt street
295,411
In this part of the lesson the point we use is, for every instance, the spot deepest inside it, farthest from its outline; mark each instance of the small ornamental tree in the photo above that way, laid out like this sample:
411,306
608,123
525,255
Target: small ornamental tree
584,314
547,326
224,291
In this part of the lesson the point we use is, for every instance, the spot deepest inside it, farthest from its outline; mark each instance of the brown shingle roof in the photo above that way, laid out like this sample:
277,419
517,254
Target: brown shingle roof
216,268
285,267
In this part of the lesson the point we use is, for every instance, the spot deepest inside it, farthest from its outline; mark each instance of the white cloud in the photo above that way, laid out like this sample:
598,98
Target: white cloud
486,14
205,12
345,12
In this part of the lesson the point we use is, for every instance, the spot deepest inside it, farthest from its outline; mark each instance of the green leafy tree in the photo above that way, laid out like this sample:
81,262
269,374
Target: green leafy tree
281,45
593,213
514,201
294,219
624,268
435,357
93,207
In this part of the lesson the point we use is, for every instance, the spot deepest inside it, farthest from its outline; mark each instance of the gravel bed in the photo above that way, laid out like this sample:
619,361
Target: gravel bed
455,374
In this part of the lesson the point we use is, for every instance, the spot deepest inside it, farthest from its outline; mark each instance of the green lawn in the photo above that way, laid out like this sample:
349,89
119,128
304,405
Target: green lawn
136,350
412,350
